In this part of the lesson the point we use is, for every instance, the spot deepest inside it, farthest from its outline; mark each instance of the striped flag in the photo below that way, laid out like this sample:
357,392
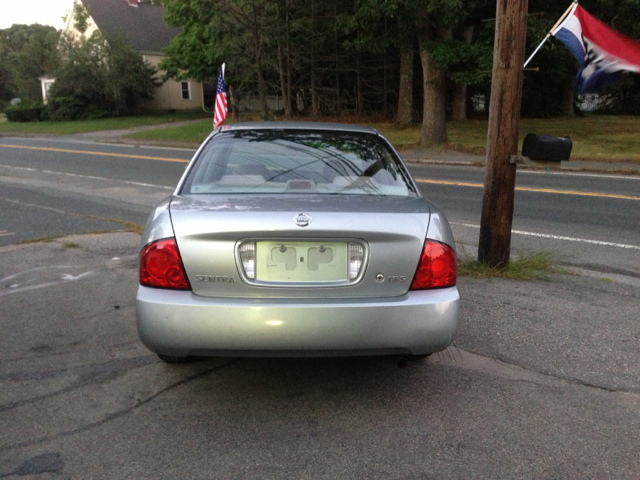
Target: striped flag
220,113
601,51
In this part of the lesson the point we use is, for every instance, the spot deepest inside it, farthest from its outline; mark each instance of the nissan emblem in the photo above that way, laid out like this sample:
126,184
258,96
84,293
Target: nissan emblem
302,219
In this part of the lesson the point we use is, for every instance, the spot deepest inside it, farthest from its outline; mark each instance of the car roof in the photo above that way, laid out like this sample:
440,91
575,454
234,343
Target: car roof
342,127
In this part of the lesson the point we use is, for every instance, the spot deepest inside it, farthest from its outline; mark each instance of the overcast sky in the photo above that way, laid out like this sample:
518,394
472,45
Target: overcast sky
44,12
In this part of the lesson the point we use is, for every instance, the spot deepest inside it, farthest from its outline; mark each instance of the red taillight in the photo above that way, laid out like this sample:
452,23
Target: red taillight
161,266
437,267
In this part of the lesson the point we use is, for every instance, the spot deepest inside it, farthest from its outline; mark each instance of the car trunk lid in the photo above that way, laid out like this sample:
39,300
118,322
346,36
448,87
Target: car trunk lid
303,245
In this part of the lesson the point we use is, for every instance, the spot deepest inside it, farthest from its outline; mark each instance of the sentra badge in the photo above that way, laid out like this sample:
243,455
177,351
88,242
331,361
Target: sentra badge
216,278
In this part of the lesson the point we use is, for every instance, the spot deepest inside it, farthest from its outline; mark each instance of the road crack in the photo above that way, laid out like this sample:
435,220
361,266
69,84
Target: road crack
88,375
499,367
114,416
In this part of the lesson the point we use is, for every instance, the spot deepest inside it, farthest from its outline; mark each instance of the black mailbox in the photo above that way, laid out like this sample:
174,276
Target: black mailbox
546,147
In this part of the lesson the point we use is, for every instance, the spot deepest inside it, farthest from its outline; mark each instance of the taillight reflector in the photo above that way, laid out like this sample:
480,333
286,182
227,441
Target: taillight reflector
437,268
356,258
161,266
248,259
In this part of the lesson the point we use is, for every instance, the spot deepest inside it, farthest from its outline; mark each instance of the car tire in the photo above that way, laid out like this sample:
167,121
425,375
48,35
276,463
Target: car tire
170,359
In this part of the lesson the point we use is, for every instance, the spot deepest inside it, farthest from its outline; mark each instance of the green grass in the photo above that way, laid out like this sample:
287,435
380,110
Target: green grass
535,266
595,137
83,126
194,133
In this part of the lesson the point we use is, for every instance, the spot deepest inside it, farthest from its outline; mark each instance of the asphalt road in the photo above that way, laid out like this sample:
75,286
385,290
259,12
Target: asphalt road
543,380
543,383
53,187
590,221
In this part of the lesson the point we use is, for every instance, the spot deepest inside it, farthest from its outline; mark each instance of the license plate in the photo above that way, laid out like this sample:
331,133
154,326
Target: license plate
301,261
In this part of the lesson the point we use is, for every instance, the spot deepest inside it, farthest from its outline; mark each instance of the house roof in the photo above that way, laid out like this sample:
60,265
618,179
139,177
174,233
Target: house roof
143,26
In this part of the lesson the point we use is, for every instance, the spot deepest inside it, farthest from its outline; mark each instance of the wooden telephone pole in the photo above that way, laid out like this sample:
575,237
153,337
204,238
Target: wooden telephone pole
502,138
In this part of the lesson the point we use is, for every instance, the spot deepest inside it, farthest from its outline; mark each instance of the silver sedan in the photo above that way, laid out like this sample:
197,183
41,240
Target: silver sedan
296,239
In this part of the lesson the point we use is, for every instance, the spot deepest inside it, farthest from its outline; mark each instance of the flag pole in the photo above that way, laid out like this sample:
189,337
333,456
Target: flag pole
564,15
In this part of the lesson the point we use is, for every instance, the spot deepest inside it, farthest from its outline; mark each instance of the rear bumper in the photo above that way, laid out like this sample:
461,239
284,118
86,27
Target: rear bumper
178,323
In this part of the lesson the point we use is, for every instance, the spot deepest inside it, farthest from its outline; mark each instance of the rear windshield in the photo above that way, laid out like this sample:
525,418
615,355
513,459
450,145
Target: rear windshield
298,162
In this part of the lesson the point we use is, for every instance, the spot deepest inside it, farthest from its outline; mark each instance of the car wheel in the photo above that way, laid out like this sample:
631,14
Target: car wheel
170,359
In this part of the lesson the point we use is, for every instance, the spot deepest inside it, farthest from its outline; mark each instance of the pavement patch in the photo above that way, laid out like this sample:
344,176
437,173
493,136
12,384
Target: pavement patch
45,463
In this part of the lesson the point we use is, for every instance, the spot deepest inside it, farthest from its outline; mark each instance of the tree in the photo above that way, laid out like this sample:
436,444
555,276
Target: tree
234,30
99,77
283,38
384,28
26,53
437,21
446,47
196,51
470,55
357,56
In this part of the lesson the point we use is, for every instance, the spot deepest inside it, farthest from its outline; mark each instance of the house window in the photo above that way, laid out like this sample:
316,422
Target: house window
186,91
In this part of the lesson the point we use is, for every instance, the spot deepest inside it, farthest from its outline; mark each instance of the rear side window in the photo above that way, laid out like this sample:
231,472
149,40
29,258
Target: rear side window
298,162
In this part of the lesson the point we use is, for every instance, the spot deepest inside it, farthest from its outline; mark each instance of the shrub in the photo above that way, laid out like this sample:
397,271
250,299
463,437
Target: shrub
60,109
25,112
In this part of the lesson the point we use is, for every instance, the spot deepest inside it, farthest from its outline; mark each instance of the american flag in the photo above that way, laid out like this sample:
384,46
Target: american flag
221,101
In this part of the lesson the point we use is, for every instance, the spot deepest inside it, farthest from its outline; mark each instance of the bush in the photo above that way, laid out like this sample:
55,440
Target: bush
64,108
60,109
25,112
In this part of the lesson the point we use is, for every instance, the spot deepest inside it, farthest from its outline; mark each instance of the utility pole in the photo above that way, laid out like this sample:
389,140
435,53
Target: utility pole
502,137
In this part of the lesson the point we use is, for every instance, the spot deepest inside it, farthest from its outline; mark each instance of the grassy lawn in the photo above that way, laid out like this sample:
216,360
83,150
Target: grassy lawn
194,133
82,126
595,137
